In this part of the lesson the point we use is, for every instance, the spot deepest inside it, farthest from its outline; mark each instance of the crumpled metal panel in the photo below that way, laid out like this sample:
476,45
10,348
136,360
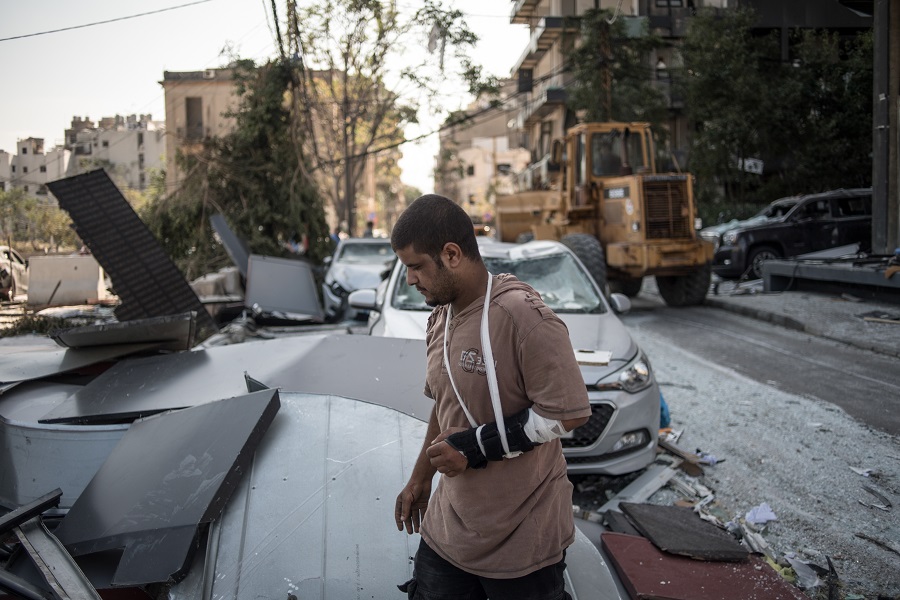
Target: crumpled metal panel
33,357
314,518
144,277
36,457
234,246
387,371
168,475
315,515
173,333
282,286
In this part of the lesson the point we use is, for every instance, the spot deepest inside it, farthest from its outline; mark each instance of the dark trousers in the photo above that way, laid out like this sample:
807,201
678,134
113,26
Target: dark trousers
436,579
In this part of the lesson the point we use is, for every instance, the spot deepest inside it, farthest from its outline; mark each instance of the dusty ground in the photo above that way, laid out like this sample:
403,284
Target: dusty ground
798,455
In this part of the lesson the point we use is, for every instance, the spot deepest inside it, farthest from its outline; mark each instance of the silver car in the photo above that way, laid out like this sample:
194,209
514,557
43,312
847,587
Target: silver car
356,263
621,435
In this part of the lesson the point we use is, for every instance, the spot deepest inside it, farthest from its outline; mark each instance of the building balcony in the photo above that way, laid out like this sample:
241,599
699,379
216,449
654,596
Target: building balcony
523,12
544,101
547,32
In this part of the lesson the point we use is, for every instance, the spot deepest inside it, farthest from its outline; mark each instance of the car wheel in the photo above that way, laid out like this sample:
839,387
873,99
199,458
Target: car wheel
629,287
589,251
685,290
758,257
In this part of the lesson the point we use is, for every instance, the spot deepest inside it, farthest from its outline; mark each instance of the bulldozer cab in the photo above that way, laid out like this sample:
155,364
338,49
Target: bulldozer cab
603,151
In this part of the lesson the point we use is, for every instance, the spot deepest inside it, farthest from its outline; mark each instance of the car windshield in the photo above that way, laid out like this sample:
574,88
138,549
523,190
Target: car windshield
562,283
366,254
777,210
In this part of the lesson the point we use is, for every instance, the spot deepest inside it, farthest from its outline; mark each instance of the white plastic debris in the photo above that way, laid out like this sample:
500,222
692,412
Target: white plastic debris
760,515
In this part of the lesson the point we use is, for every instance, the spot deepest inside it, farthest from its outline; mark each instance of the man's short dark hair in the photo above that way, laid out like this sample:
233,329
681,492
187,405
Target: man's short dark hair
432,221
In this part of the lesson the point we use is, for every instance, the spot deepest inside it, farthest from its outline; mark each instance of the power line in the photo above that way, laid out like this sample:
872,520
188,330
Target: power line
152,12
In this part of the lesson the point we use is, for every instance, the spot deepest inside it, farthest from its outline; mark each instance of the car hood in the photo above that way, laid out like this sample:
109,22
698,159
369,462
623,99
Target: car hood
742,224
587,332
356,277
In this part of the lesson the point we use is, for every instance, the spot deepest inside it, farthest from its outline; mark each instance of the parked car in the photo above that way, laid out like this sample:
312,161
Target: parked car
356,263
13,273
790,227
621,435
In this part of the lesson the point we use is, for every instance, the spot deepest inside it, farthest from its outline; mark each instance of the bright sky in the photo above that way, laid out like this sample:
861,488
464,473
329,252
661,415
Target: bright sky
115,68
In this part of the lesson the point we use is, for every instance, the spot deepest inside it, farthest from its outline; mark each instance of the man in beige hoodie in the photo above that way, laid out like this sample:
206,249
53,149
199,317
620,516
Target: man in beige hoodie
506,386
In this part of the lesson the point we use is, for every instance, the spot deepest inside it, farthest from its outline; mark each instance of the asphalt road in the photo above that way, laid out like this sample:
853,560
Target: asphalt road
865,384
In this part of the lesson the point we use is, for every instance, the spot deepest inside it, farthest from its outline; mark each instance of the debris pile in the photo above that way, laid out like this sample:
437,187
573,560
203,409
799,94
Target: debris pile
668,536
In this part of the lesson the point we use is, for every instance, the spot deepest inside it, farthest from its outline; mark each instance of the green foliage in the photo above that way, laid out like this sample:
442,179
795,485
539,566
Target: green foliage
253,176
613,75
42,225
808,119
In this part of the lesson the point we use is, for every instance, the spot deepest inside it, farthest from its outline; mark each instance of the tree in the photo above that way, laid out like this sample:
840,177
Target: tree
355,87
253,176
728,75
807,119
612,73
41,224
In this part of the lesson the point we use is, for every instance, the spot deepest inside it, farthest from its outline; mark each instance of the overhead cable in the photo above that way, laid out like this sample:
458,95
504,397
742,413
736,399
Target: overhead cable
152,12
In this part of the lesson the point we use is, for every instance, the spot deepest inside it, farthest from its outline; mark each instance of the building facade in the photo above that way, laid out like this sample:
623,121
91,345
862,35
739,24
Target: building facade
480,156
5,159
197,103
30,169
129,148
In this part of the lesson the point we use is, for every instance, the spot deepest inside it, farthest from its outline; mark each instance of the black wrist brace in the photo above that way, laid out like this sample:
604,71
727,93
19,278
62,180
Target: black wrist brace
467,441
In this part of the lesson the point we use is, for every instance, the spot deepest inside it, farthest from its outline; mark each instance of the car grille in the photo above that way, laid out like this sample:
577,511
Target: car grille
667,212
591,431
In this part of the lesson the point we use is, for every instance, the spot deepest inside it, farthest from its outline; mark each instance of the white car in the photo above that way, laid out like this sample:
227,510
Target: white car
357,263
13,273
621,435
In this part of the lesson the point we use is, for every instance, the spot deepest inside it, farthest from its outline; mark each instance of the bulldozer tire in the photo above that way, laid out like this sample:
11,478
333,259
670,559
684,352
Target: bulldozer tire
629,287
685,290
589,251
525,236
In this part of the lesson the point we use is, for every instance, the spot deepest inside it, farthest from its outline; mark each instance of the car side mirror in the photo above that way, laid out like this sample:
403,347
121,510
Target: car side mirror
362,299
326,261
620,303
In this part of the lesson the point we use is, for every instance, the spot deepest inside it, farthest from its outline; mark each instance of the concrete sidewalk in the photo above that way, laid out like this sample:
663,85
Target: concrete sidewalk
844,318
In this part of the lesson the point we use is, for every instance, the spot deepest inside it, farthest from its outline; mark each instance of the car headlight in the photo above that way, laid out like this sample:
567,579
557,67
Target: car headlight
634,378
730,238
637,376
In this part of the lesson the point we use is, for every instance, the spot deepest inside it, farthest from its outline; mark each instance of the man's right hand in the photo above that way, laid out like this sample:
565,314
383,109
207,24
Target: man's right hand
411,504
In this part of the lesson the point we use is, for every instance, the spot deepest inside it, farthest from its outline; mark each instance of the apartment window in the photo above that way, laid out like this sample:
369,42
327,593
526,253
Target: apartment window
140,137
194,116
42,190
504,168
2,186
141,161
25,188
142,181
13,168
470,170
106,143
43,168
672,3
24,150
24,169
